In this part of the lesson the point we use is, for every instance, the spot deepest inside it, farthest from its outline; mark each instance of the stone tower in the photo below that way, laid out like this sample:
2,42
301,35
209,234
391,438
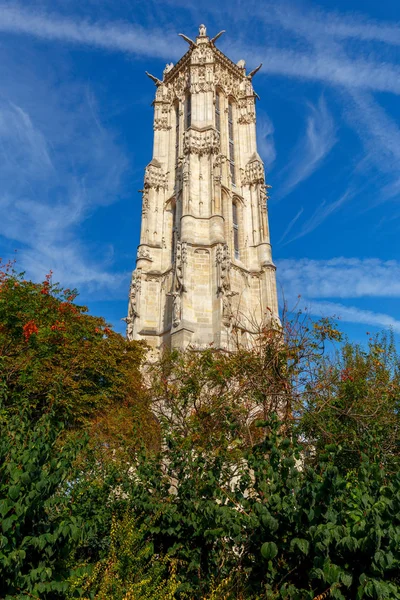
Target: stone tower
204,265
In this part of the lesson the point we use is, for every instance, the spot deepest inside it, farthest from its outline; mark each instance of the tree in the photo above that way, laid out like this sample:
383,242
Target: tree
71,400
54,355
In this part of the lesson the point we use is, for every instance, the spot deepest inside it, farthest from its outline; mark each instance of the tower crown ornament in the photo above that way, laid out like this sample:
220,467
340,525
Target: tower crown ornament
204,265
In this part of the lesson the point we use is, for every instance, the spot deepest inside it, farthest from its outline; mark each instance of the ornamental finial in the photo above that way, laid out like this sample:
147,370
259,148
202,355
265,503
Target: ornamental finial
202,31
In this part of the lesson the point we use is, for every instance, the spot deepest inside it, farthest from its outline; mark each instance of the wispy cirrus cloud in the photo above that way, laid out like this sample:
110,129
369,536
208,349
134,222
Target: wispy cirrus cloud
132,38
310,151
321,213
314,22
340,277
380,135
320,282
56,167
118,36
291,224
352,314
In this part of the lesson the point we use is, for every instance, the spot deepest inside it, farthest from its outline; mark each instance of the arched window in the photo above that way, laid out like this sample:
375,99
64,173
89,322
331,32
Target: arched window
176,133
217,113
231,144
188,110
235,221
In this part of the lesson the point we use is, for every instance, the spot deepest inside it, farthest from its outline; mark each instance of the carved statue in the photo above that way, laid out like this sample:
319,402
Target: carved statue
129,327
202,31
176,309
168,68
227,313
133,297
181,257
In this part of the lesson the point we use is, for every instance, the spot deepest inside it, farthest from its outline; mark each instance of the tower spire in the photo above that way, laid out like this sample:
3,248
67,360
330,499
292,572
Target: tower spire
204,264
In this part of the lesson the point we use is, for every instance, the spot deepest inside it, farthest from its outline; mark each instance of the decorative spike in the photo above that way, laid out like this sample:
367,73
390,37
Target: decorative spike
214,39
153,78
254,71
191,43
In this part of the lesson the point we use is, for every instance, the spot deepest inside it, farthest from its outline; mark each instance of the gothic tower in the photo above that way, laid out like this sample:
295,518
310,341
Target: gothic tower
204,264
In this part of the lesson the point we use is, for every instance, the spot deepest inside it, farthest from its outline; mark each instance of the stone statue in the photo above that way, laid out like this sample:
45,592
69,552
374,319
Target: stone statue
202,31
176,309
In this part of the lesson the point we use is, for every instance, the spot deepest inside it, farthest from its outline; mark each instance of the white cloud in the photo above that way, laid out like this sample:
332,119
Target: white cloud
352,314
321,213
57,164
291,223
340,278
340,26
315,280
118,36
380,135
131,38
310,151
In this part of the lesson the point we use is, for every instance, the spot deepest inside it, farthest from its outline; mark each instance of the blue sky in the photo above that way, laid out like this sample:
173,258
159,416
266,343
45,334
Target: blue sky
76,134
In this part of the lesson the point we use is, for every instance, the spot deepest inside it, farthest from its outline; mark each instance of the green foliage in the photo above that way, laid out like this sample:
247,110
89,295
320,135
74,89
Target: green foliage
131,570
38,530
268,526
277,476
356,393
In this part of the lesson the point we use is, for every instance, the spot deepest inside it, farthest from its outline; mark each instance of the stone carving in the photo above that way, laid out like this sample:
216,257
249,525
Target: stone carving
134,292
179,283
262,197
145,202
201,55
154,176
202,31
223,263
201,142
168,68
143,253
185,172
246,109
224,291
227,313
227,80
202,79
180,83
180,261
176,308
253,173
161,123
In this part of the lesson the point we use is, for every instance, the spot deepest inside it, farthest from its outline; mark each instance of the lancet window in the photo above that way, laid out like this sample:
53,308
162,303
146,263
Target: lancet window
217,112
173,232
188,110
235,221
231,144
176,133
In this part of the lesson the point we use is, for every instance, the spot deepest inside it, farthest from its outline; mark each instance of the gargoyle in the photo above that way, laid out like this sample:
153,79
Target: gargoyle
254,71
214,39
153,78
191,43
